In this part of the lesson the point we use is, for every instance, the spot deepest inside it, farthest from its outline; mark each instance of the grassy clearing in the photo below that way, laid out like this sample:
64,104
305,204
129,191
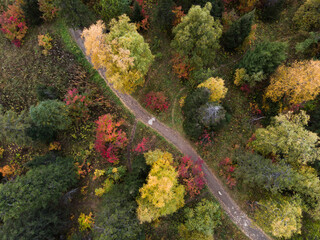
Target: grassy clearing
160,78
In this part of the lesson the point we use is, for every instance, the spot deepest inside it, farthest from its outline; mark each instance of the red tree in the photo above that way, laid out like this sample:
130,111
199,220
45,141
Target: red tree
156,101
191,175
109,138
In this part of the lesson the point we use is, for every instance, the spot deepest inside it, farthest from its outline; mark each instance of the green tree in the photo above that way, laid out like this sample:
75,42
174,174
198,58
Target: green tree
192,122
280,216
13,126
136,15
117,217
288,140
162,194
307,16
238,31
76,13
204,218
266,57
110,9
163,15
29,205
32,12
258,172
197,36
52,114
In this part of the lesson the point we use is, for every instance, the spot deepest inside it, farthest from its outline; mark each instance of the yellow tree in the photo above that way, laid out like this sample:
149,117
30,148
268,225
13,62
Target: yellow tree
216,87
122,53
162,194
297,84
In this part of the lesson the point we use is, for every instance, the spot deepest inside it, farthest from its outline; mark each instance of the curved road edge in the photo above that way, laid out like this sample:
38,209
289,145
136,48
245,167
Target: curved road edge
215,186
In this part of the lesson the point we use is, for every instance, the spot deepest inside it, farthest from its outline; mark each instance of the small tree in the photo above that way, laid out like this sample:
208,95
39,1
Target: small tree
13,24
156,101
211,115
269,10
204,218
191,125
280,216
109,139
32,12
48,9
162,194
238,32
216,87
266,57
307,16
197,36
164,15
52,114
110,9
296,84
13,127
75,13
137,15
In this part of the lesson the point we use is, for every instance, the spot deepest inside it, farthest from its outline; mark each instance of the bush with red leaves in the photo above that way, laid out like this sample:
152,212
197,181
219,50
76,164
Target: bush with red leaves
13,25
191,175
109,138
156,101
227,171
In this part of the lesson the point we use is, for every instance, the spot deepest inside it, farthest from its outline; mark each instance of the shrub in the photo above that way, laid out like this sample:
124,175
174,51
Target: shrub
86,222
269,10
45,42
311,46
204,218
307,16
266,57
75,13
13,25
47,93
110,9
241,77
48,9
13,127
109,138
32,12
191,175
136,15
41,133
237,32
78,105
216,87
52,114
180,67
156,101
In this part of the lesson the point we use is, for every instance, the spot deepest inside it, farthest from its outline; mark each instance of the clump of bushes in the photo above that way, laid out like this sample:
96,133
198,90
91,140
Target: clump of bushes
156,101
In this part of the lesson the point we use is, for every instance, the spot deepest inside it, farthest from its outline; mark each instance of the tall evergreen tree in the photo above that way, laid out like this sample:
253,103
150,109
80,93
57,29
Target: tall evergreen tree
237,33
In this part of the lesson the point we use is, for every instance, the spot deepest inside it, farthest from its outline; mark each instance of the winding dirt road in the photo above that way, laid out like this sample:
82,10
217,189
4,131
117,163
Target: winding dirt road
213,183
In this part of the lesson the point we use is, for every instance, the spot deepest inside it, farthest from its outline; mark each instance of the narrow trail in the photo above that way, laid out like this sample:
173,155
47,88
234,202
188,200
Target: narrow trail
213,183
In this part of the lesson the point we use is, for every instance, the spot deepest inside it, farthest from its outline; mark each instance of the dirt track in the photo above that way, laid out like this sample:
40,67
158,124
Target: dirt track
213,183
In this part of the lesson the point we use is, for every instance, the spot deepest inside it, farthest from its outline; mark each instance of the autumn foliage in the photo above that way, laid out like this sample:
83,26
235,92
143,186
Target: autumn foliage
109,138
162,194
156,101
216,87
13,25
122,53
296,84
191,175
180,67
